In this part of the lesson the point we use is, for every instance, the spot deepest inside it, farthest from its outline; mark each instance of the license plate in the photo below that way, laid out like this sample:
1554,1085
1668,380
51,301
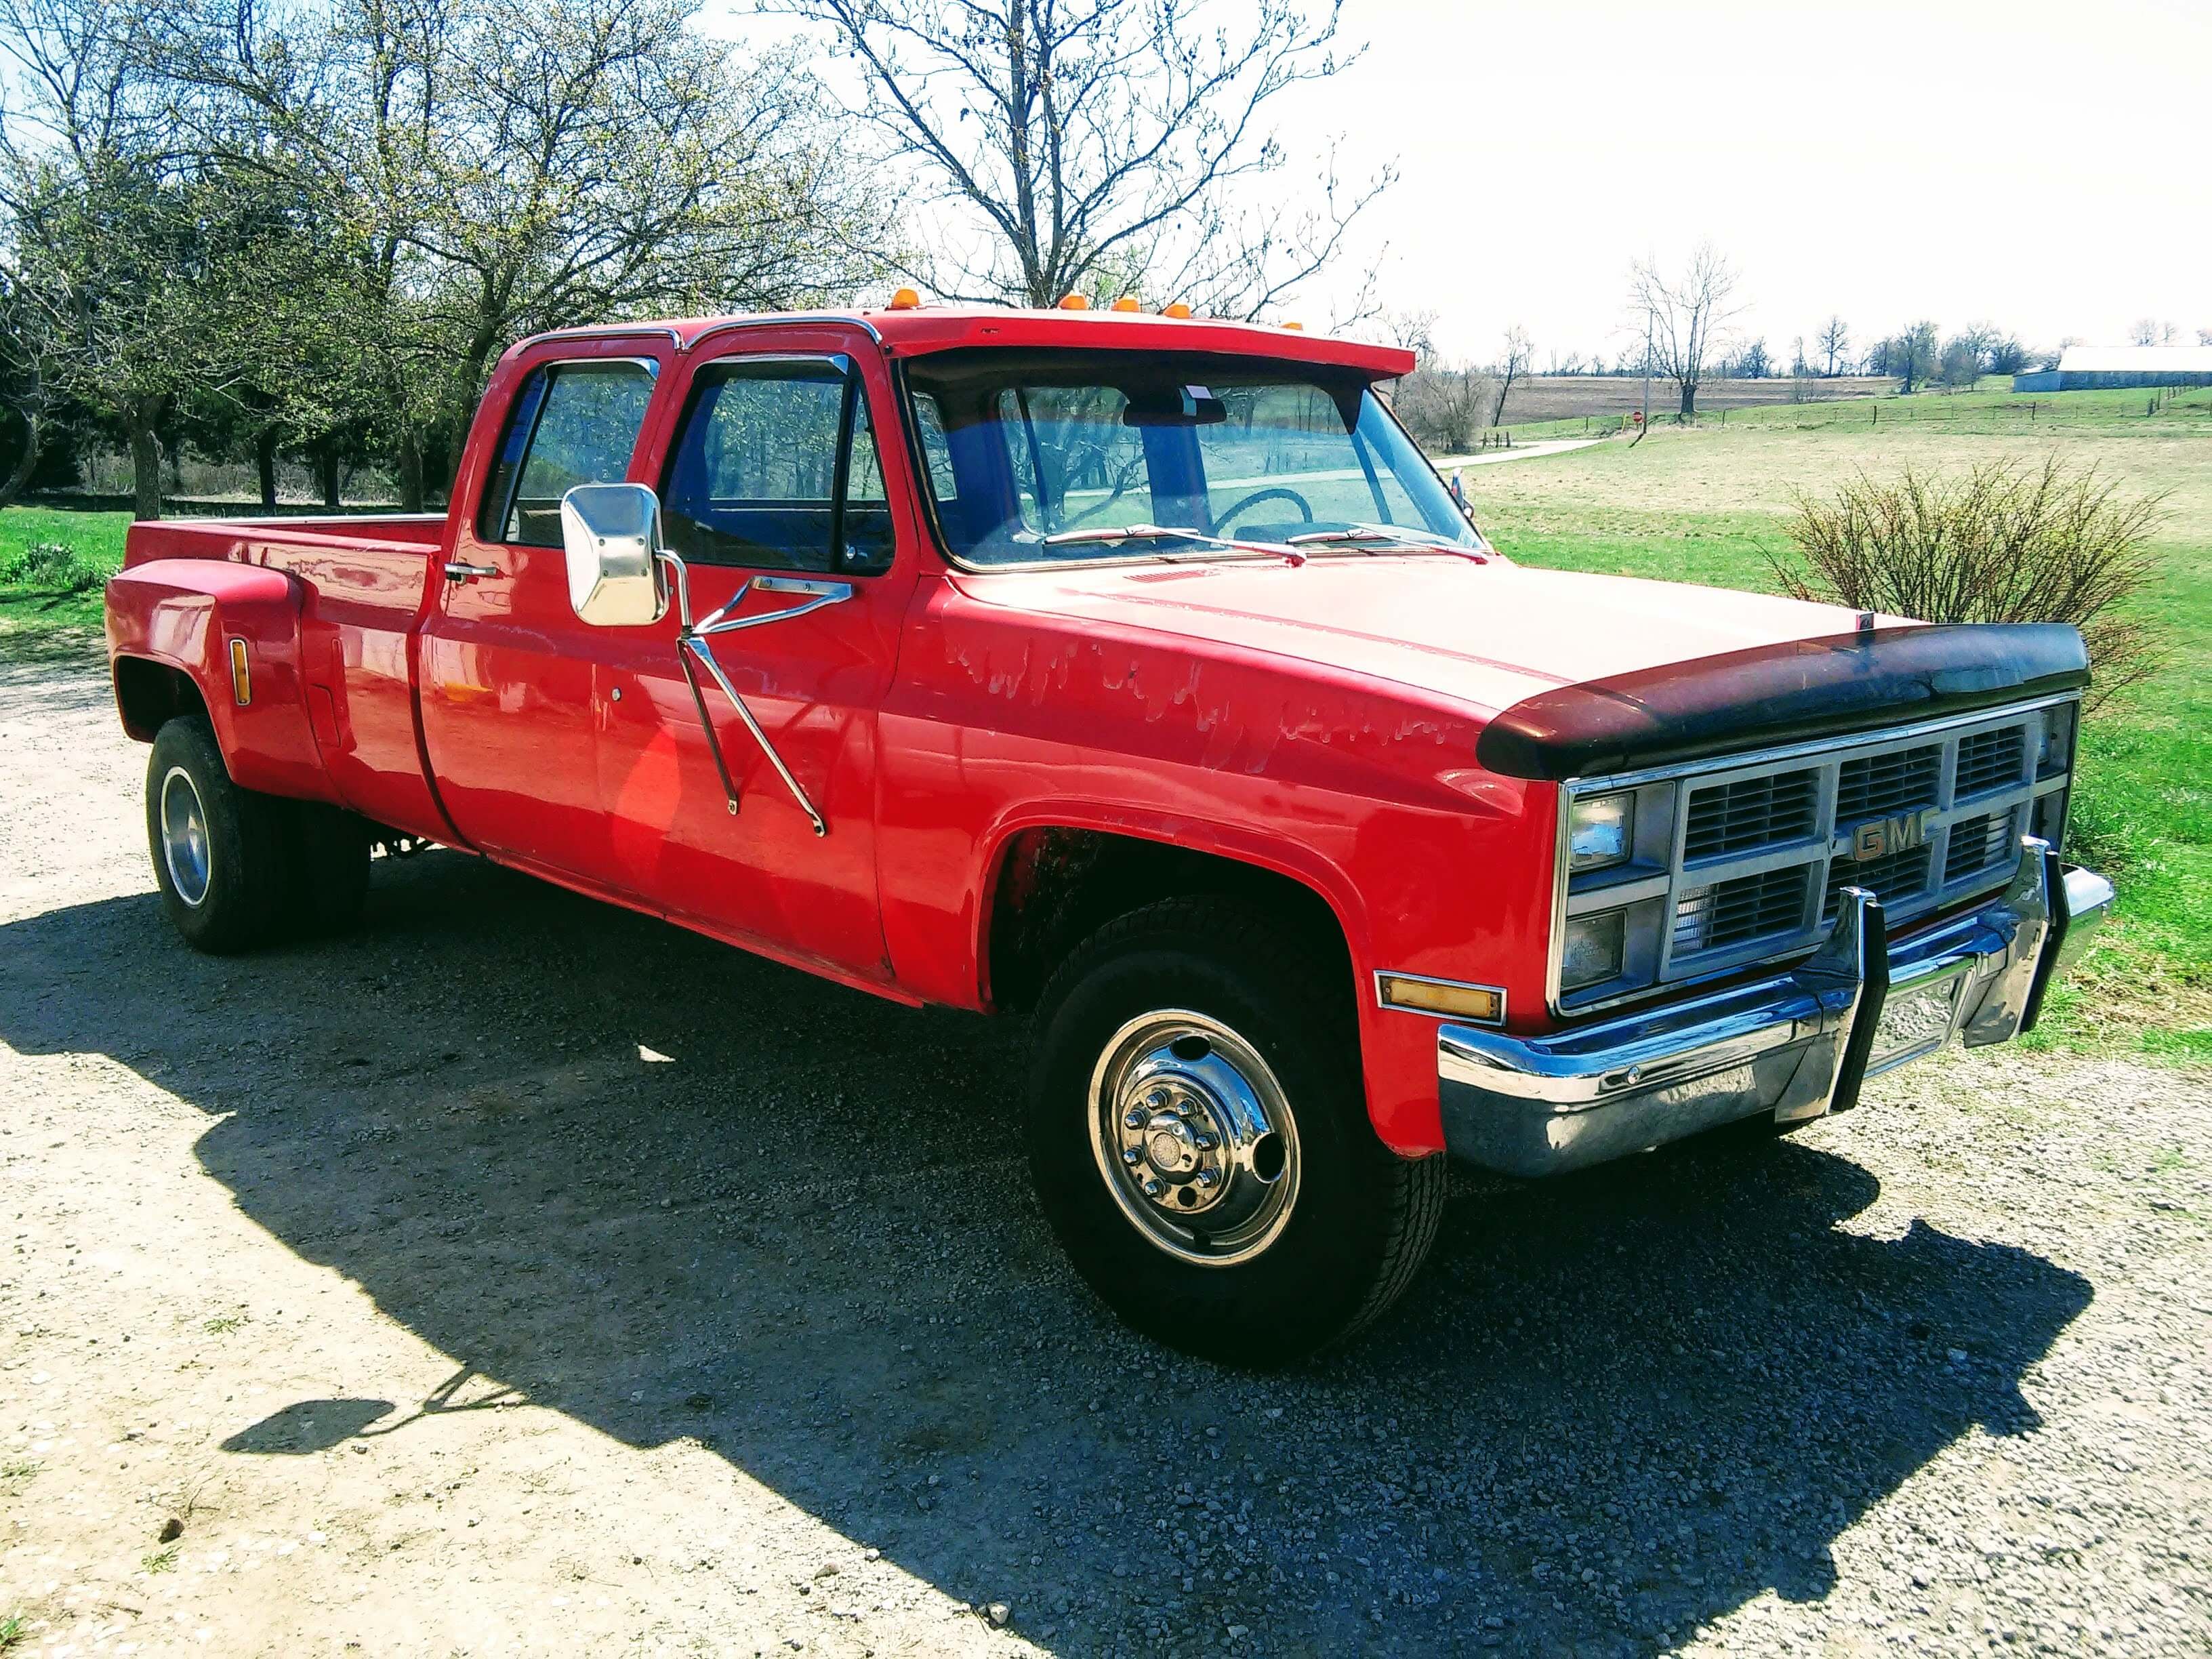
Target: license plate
1914,1022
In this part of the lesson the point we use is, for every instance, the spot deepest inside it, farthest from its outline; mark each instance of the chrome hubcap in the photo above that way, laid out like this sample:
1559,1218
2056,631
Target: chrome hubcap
185,837
1193,1137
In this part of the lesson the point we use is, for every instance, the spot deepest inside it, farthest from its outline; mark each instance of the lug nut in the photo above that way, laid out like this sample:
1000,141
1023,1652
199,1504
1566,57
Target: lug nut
1206,1143
1152,1187
1129,1155
1132,1119
1208,1178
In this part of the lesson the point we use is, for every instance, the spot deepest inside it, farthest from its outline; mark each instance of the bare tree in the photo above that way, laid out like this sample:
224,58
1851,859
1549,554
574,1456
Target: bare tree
1413,330
2149,332
1835,341
2205,337
1688,316
1520,353
1110,145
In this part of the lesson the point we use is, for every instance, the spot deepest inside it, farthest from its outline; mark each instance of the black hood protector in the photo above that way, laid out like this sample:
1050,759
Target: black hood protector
1773,694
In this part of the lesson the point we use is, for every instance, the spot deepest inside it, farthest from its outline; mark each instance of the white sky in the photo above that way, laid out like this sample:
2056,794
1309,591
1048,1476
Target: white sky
2045,165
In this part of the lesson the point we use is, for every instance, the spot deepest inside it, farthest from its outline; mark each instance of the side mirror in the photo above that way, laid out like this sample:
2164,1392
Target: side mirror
611,533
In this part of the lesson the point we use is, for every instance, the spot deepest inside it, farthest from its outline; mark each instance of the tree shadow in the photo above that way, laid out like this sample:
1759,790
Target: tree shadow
804,1238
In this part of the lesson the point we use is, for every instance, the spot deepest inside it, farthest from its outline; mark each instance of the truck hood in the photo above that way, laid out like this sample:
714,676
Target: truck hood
1484,635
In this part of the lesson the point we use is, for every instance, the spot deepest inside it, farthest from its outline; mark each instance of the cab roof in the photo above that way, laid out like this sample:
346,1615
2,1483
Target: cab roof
917,331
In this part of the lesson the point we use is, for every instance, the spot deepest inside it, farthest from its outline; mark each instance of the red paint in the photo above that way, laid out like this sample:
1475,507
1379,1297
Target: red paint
1318,720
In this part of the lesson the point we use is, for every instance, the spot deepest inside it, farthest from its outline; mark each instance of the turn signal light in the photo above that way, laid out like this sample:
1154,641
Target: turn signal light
1075,302
1128,302
1178,309
241,681
1485,1004
905,300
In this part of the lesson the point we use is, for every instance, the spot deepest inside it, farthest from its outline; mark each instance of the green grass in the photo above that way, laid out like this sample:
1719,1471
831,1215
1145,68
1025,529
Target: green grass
1709,504
43,591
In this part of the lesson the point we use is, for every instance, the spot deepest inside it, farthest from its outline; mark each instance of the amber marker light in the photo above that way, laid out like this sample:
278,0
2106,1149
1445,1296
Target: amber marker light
906,299
241,681
1075,302
1484,1004
1295,328
1178,309
1128,302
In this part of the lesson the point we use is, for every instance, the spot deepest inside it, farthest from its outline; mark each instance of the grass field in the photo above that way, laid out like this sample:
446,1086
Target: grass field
1710,504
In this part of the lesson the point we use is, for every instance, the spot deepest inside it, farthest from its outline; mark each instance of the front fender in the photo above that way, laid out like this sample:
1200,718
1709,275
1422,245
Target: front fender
183,614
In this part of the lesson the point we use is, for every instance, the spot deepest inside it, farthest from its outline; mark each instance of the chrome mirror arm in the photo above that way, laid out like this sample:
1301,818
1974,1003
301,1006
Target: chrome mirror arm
693,639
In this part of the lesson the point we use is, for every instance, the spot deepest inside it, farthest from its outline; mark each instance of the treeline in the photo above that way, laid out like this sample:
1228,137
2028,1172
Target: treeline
307,234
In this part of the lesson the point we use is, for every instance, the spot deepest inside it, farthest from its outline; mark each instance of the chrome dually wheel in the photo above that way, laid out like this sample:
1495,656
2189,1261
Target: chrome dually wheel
1193,1137
185,846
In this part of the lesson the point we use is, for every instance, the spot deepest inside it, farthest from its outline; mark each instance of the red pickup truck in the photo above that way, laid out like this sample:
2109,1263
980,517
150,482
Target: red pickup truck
1139,674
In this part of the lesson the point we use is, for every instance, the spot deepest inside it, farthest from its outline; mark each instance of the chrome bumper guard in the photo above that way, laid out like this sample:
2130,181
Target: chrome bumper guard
1797,1044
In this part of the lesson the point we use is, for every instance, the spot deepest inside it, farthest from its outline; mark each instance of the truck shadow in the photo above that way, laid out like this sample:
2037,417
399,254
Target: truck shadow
673,1191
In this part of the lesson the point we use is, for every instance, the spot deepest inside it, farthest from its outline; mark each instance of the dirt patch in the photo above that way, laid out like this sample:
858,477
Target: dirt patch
519,1275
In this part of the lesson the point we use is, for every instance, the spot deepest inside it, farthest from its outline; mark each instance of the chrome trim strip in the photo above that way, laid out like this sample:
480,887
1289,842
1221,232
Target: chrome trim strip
1795,1044
1383,1002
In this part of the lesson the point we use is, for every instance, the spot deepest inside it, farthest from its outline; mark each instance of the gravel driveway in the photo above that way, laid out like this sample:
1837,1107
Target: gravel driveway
519,1275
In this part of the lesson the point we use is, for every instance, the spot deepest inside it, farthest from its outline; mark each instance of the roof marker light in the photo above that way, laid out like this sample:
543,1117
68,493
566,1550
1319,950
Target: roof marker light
1178,309
905,299
1295,328
1074,302
1128,302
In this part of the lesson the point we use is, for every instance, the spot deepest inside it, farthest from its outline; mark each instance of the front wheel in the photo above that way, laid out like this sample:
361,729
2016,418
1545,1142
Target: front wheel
1199,1136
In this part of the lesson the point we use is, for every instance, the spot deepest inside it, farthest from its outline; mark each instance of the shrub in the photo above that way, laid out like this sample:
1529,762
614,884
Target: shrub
50,567
2000,542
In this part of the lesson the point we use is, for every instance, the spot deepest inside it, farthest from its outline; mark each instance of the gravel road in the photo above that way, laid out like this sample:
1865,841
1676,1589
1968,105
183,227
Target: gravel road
519,1275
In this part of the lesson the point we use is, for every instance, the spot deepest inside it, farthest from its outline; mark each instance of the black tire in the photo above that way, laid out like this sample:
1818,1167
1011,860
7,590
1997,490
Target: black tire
238,898
1361,1219
329,849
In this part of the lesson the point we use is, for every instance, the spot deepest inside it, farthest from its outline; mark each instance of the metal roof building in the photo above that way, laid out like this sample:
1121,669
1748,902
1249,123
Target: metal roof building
2081,367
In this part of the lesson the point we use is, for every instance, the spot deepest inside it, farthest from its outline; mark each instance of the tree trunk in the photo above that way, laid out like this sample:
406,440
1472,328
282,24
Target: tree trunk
145,459
410,469
1689,400
326,473
265,461
19,474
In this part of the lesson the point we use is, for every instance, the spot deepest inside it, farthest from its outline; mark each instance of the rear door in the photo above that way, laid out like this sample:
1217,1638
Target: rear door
774,469
510,679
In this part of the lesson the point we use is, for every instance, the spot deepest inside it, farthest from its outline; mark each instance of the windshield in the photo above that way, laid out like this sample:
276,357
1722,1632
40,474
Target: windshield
1041,455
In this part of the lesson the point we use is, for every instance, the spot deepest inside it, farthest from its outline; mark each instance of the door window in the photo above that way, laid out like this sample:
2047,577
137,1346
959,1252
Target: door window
776,467
571,423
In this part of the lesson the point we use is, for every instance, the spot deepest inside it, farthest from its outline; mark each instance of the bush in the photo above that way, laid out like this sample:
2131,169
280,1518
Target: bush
2001,543
50,567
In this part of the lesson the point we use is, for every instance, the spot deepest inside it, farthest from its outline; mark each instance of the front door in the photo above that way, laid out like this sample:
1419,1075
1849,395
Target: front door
511,703
772,470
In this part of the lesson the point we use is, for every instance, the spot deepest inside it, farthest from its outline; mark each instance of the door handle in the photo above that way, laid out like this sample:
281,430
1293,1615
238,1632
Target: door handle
458,570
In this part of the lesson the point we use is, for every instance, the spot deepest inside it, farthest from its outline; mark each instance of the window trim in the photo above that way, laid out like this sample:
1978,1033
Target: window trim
491,528
847,367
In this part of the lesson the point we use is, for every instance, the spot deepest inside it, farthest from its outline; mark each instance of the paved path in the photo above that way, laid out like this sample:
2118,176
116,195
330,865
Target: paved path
1518,452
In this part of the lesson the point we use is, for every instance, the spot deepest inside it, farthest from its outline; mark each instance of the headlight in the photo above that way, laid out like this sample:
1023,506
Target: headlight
1599,831
1593,951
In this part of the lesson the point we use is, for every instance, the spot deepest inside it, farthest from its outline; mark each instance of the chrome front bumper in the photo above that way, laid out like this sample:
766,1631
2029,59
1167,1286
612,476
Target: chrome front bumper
1797,1044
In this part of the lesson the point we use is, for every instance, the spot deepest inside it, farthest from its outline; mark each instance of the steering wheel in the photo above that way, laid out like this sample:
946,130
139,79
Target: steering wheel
1304,507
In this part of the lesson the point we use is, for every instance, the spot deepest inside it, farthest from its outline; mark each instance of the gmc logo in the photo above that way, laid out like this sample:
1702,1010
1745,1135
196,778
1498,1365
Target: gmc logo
1885,836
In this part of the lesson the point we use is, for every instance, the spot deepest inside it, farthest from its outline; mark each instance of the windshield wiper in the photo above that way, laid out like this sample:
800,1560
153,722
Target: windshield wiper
1399,534
1116,534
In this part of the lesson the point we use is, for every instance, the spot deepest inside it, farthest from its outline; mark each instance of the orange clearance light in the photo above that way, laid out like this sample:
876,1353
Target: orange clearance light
1484,1004
1074,302
1128,302
1295,328
906,299
1178,309
241,680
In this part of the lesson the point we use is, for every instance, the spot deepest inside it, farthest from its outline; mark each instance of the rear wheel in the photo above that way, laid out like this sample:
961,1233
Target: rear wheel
219,850
1199,1136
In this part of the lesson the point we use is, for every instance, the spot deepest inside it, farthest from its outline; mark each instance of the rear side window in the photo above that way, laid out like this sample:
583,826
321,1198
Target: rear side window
775,467
571,423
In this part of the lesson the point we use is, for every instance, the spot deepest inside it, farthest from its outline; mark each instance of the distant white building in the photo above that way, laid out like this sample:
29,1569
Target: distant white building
2080,367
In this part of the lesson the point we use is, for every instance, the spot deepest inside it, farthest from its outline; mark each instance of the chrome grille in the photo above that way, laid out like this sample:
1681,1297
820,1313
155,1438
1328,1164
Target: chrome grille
1750,906
1977,843
1876,786
1727,818
1899,875
1989,760
1740,861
